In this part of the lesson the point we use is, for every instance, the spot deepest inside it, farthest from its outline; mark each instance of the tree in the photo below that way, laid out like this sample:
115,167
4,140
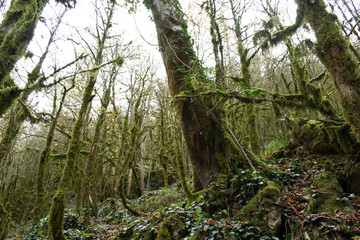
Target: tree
335,53
307,94
216,40
238,10
20,111
58,205
40,195
208,141
16,31
89,179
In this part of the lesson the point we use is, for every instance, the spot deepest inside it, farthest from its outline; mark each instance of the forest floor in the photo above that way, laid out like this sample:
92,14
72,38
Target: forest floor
296,173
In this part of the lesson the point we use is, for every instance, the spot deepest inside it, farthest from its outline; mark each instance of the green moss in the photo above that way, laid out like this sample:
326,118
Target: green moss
329,167
295,229
19,21
311,206
253,130
330,193
172,228
325,136
333,50
59,156
341,133
263,209
4,221
269,194
119,61
197,236
7,97
163,233
56,217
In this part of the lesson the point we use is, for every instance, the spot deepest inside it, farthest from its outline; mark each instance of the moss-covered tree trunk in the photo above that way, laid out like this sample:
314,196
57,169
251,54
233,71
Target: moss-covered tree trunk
334,51
44,156
201,118
4,222
245,60
19,111
16,31
121,153
58,205
216,40
135,135
88,179
164,160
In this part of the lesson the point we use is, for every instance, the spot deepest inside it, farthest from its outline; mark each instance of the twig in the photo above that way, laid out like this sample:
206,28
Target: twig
242,149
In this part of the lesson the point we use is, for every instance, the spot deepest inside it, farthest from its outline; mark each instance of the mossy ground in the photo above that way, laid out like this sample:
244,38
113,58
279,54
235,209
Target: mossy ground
311,202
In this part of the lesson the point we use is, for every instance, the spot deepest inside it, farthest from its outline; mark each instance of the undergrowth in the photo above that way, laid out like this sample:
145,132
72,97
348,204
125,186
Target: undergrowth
211,220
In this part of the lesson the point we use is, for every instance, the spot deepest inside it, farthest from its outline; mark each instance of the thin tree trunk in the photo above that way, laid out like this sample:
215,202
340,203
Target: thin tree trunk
250,108
57,209
130,157
90,164
129,182
44,156
121,153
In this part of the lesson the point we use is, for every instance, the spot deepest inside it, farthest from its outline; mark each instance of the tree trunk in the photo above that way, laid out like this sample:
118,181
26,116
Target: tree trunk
87,201
245,60
16,31
334,52
44,156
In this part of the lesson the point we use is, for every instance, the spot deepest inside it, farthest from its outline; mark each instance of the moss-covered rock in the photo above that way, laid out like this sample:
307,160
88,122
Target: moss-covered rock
172,228
330,193
325,136
263,210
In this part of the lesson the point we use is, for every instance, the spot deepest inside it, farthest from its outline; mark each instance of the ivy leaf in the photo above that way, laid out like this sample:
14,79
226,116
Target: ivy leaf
206,227
198,211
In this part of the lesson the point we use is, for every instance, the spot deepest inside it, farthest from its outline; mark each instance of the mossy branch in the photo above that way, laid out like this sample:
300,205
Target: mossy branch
318,77
242,149
281,35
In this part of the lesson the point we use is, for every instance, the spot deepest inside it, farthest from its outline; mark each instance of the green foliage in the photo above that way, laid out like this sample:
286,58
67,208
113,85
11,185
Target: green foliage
158,199
39,230
273,146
